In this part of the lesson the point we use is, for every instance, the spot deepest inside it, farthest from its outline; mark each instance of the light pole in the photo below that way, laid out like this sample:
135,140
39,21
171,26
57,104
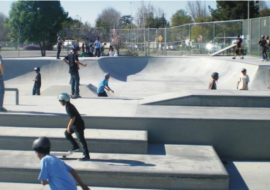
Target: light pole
249,32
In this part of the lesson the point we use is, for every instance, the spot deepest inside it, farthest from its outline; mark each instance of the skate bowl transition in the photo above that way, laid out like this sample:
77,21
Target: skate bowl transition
161,129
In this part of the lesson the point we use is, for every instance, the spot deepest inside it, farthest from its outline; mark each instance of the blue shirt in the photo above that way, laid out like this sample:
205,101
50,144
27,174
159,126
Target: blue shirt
57,173
102,85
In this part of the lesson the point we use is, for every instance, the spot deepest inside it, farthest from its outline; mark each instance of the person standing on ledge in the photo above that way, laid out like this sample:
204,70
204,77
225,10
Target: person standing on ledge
75,125
104,85
2,86
59,46
212,83
54,171
72,60
37,82
242,84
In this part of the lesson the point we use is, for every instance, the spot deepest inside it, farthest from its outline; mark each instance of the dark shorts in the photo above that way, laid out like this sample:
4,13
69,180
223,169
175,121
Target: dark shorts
103,94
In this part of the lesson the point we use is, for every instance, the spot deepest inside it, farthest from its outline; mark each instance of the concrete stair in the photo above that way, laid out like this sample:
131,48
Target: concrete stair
99,140
180,167
32,186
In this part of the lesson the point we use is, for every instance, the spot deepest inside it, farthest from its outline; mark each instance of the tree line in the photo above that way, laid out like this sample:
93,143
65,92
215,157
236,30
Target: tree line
39,22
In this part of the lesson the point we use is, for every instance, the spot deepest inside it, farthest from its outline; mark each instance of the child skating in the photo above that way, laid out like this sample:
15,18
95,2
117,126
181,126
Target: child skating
103,86
75,125
214,79
37,82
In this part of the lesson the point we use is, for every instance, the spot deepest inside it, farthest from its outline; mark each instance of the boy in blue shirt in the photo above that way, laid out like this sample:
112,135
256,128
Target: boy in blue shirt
54,171
104,85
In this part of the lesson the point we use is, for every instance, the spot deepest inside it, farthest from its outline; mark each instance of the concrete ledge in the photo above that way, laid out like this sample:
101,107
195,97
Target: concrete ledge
106,141
191,167
217,98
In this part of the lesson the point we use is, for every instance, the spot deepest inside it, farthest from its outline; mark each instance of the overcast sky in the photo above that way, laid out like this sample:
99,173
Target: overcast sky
88,10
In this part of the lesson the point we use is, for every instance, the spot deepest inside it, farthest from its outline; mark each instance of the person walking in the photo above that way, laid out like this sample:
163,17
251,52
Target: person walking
263,45
54,171
97,45
104,85
37,82
2,86
242,84
75,125
212,83
59,46
238,48
72,60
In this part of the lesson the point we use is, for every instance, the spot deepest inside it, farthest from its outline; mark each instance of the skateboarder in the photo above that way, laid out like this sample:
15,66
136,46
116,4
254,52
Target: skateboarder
2,86
73,61
59,46
37,82
75,125
104,85
54,171
212,83
242,84
263,45
238,48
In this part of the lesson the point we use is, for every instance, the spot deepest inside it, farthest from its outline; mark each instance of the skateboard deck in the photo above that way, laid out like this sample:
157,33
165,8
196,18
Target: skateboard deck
61,154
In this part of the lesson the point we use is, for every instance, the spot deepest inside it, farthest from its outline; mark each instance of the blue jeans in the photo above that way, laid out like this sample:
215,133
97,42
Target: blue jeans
75,83
2,91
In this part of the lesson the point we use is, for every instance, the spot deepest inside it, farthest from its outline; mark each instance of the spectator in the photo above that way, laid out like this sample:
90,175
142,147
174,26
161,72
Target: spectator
2,86
242,84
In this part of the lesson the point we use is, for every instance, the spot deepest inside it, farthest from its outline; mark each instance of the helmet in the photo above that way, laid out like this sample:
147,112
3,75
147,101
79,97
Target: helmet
107,75
64,97
42,145
215,75
36,69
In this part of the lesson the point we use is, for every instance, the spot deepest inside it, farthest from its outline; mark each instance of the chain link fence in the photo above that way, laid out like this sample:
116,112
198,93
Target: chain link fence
189,39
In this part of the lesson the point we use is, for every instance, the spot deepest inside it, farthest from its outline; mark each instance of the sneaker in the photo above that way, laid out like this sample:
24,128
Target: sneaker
3,109
84,158
242,57
233,58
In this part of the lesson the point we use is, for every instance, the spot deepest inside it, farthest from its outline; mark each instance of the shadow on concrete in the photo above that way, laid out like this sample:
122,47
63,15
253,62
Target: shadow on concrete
156,149
236,180
123,67
123,162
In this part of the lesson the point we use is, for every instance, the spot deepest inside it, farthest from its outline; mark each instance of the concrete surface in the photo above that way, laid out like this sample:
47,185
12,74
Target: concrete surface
98,140
31,186
182,167
216,98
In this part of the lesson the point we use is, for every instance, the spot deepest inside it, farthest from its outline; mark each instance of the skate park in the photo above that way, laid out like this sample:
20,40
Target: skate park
161,129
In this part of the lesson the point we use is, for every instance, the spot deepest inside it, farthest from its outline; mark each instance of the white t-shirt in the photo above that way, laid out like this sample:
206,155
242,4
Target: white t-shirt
243,82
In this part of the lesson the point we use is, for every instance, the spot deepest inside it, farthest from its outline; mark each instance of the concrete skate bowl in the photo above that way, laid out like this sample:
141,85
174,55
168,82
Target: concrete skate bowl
136,77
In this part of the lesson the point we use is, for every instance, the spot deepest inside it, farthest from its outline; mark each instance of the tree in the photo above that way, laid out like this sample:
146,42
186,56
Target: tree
37,22
3,28
180,18
149,17
197,9
231,10
107,20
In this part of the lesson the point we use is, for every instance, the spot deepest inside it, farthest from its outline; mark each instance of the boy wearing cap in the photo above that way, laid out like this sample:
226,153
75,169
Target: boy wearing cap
104,85
75,125
54,171
242,84
37,82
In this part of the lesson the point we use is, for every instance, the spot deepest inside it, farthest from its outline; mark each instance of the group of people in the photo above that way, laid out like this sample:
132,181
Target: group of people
242,83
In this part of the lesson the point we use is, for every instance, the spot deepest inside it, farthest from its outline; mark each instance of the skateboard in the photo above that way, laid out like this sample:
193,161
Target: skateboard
62,154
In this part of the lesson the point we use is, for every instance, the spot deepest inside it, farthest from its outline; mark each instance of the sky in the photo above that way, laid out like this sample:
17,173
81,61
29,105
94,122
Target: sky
88,10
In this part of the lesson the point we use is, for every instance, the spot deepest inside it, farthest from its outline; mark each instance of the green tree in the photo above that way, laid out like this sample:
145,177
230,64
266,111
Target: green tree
180,18
3,28
37,22
107,20
230,10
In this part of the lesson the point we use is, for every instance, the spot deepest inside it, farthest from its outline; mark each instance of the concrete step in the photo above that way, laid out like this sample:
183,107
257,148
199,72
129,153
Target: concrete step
182,167
31,186
99,140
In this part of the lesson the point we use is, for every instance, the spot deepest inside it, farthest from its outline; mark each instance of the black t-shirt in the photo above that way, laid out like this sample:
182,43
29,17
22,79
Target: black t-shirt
73,112
38,80
73,66
239,42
